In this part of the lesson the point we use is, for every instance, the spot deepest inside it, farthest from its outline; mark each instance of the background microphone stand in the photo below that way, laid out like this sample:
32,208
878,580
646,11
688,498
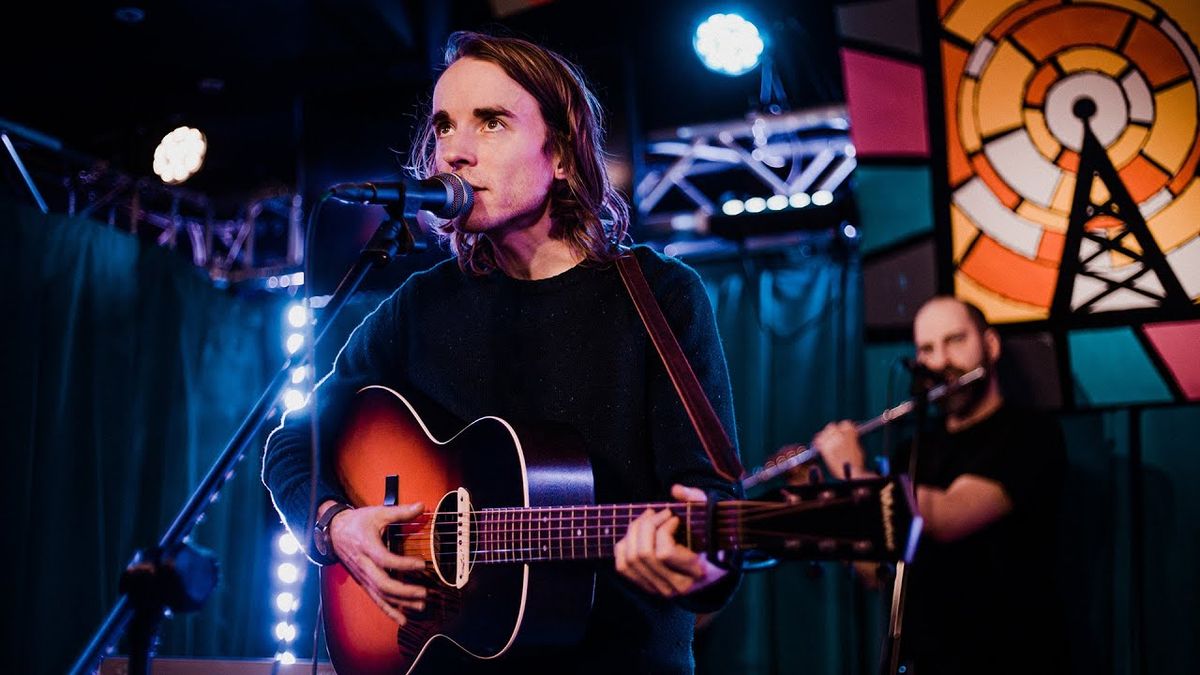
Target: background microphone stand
922,381
175,574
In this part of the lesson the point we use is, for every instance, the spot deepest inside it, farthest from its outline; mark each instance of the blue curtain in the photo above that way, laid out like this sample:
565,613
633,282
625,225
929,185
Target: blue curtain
126,371
791,321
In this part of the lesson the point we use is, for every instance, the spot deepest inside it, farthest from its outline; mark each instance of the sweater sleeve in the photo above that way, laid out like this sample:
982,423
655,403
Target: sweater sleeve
371,355
679,455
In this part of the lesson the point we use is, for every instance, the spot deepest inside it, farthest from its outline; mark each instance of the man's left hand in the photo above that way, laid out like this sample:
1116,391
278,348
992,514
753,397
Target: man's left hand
650,557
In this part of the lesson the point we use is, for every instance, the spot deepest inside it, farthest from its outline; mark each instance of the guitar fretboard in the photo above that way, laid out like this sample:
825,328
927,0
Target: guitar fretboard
571,532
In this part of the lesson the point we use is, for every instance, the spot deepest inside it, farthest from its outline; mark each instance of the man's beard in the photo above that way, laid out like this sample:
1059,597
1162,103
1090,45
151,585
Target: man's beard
964,401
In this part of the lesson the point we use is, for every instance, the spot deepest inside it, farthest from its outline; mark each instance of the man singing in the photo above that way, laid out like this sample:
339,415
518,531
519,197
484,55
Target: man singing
530,321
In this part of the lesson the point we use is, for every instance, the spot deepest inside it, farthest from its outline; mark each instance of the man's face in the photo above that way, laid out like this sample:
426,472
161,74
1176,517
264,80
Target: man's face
950,344
490,131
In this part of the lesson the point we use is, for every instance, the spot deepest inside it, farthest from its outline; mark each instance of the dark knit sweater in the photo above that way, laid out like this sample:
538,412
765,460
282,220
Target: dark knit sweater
569,349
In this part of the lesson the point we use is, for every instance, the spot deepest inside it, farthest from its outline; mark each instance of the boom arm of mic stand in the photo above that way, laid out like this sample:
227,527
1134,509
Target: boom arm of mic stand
392,237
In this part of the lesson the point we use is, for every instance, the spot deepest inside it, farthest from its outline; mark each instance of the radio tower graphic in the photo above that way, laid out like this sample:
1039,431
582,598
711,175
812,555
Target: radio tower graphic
1072,146
1117,218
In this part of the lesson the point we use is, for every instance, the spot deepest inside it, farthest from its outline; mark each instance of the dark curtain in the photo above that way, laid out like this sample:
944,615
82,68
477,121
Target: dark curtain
791,322
126,371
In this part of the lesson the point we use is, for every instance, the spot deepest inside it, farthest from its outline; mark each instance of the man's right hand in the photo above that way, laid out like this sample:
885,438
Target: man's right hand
839,447
357,538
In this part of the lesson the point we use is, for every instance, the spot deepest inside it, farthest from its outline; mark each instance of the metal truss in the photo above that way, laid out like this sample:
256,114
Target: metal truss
174,217
803,151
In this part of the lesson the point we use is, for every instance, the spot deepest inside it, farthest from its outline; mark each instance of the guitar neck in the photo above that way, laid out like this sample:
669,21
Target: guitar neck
585,532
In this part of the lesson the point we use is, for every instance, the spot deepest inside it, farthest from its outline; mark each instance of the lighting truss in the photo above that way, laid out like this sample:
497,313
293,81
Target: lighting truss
177,218
691,170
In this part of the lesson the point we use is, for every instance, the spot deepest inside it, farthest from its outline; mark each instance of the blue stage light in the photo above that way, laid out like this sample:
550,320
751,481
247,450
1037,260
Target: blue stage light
728,44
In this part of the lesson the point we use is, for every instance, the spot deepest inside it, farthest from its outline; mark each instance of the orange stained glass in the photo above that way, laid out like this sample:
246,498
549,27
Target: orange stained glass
1102,222
1187,171
1003,192
1154,54
1056,30
954,61
1010,274
1035,93
1051,247
1069,160
1002,27
1142,178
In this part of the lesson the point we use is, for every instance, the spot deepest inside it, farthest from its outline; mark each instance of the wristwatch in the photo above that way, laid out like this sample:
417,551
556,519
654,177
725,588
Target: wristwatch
321,539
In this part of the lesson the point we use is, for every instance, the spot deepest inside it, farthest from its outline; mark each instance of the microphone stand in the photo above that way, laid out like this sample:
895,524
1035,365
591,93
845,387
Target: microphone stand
889,662
175,574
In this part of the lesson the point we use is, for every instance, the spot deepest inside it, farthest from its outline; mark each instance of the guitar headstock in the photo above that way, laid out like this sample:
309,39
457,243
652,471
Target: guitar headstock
863,519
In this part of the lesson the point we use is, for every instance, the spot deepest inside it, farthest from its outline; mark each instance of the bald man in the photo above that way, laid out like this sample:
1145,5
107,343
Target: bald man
981,595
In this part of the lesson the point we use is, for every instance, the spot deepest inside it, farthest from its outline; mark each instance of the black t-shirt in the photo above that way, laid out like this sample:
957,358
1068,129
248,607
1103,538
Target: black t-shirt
987,603
569,350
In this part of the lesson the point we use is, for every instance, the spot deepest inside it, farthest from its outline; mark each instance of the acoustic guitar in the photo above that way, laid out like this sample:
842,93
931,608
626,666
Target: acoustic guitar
513,543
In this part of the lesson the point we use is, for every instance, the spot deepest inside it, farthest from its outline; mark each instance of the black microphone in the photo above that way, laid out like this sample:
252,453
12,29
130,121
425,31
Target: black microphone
446,195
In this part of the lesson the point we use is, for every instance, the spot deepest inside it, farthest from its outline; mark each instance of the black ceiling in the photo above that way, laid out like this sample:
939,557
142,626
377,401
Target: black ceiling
331,86
306,93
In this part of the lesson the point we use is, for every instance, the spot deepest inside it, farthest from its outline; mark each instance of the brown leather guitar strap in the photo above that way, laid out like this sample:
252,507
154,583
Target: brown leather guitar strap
700,411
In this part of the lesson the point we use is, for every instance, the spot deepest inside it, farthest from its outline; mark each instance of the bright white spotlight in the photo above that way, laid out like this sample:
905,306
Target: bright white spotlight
294,342
286,658
728,44
850,231
756,205
299,374
293,399
179,155
297,315
733,207
287,573
285,631
822,198
777,202
800,200
297,278
286,602
288,544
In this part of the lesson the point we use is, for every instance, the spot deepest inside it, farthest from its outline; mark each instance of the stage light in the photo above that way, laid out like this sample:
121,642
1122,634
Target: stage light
756,205
728,44
293,399
799,200
822,198
287,573
299,374
850,231
297,278
777,202
179,155
285,632
288,544
286,658
733,207
294,342
286,602
297,315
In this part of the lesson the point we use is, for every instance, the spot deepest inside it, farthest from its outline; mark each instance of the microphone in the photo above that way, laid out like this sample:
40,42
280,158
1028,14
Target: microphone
446,195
